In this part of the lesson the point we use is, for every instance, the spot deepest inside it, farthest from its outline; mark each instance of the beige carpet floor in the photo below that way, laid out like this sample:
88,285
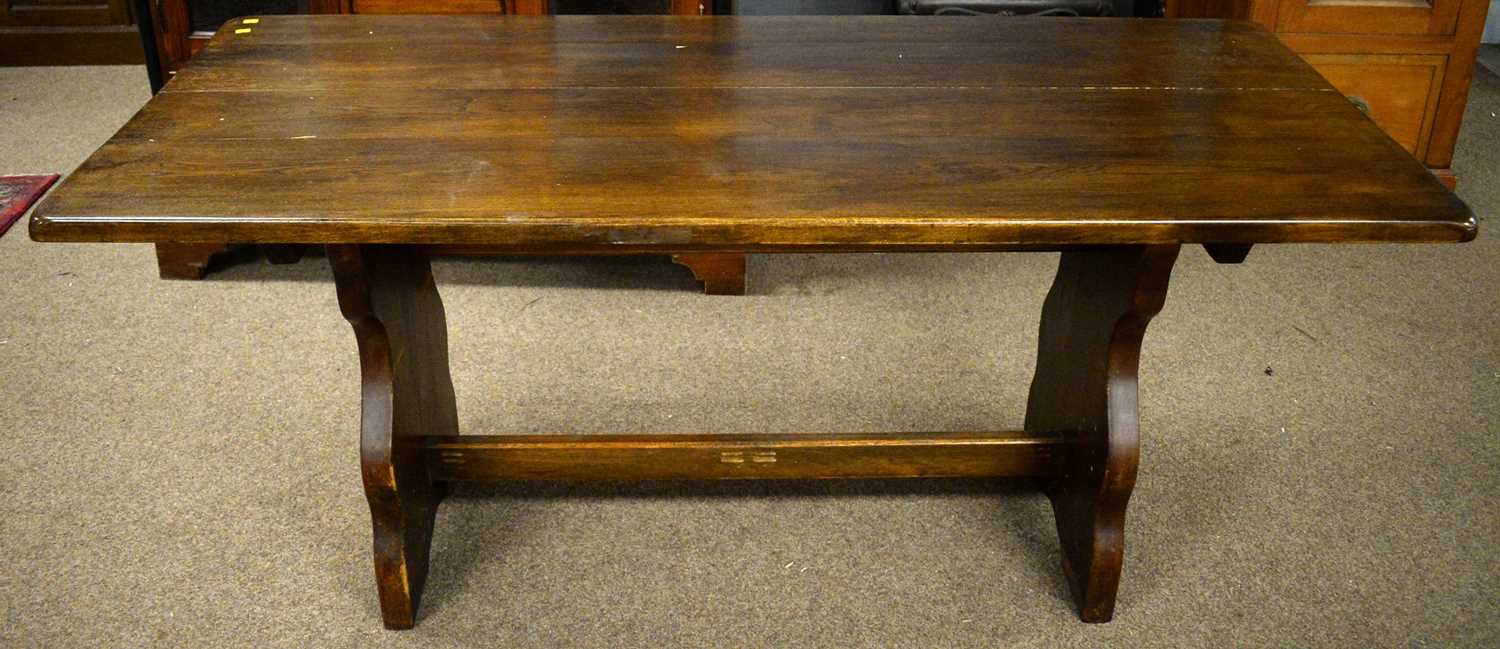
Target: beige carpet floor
178,459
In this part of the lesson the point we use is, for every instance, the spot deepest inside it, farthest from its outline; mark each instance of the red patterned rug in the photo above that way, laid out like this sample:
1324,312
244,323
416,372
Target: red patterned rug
17,193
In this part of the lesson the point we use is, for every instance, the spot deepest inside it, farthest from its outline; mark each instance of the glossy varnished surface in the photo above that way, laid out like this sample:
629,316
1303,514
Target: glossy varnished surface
744,134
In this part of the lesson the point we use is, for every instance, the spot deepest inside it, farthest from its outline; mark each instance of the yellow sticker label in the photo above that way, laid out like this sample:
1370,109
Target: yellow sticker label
245,30
250,21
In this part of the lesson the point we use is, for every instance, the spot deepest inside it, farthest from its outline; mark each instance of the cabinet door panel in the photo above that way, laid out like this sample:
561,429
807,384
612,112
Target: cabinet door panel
63,13
1368,16
1399,92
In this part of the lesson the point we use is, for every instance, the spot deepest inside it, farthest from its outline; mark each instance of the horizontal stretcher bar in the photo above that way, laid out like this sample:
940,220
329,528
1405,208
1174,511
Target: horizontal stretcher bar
777,456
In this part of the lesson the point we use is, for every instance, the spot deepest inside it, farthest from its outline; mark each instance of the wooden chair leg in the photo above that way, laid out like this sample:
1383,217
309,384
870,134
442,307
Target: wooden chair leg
722,273
1085,389
186,260
388,295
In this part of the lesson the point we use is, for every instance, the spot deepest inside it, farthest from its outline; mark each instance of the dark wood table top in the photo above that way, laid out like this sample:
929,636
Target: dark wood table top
749,134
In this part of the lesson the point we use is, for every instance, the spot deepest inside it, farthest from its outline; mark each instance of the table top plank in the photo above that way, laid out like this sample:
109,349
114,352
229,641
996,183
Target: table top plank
723,114
832,133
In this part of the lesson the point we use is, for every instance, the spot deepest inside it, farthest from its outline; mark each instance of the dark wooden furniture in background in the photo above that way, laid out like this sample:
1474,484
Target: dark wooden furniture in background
1407,63
1117,148
68,32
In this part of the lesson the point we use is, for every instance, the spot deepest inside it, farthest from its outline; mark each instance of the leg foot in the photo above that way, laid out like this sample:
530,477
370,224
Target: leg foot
1085,390
283,253
722,273
1228,253
186,260
387,294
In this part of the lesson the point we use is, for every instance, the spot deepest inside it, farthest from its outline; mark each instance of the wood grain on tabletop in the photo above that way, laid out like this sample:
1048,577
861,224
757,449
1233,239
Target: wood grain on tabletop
749,134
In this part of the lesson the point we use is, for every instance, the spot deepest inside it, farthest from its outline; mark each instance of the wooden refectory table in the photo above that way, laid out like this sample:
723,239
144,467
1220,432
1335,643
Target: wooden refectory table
1111,141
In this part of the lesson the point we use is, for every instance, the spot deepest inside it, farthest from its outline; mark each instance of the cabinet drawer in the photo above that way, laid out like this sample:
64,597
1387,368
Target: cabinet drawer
1398,91
1368,16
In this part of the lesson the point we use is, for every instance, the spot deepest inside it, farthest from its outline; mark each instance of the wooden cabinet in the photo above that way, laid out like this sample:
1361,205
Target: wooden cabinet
68,32
1398,91
1367,16
53,13
1407,63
